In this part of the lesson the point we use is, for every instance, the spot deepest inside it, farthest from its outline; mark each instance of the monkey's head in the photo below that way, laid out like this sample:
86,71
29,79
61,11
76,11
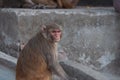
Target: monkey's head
52,32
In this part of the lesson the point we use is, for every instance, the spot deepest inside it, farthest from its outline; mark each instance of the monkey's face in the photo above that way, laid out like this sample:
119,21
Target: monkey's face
55,34
52,32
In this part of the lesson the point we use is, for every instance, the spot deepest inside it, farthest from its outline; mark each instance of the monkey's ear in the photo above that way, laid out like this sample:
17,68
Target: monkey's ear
43,28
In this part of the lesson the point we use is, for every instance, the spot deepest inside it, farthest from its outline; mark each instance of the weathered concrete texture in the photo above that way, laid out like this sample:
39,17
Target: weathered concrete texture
9,33
7,67
77,70
91,35
7,60
6,73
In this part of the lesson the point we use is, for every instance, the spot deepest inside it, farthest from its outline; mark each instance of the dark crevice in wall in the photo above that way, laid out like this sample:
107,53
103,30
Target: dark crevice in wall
96,3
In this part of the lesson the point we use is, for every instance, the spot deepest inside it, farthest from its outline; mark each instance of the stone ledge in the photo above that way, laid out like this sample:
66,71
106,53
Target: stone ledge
94,75
80,10
7,60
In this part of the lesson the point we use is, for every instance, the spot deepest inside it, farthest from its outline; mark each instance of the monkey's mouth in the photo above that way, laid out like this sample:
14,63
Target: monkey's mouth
56,39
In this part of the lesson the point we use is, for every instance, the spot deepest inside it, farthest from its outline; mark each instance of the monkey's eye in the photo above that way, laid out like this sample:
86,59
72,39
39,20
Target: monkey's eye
56,31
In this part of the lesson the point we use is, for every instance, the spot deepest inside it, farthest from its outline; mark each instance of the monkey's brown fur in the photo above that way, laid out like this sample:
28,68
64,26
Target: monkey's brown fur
38,59
38,4
42,4
67,3
51,3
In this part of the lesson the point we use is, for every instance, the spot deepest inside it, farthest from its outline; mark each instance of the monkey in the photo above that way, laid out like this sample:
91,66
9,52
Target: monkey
38,58
43,4
39,4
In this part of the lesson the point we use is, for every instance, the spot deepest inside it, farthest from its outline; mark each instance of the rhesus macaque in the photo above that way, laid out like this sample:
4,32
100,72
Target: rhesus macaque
50,3
38,59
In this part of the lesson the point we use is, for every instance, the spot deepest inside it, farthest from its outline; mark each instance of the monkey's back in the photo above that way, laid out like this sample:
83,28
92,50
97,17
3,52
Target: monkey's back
31,64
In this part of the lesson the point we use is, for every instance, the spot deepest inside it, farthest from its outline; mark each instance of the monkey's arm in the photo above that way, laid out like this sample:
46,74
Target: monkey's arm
59,71
56,67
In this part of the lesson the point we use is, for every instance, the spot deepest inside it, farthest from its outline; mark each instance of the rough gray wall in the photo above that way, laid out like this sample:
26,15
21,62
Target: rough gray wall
8,32
91,35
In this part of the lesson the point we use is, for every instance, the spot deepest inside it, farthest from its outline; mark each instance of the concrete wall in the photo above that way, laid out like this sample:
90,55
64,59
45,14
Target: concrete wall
91,35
